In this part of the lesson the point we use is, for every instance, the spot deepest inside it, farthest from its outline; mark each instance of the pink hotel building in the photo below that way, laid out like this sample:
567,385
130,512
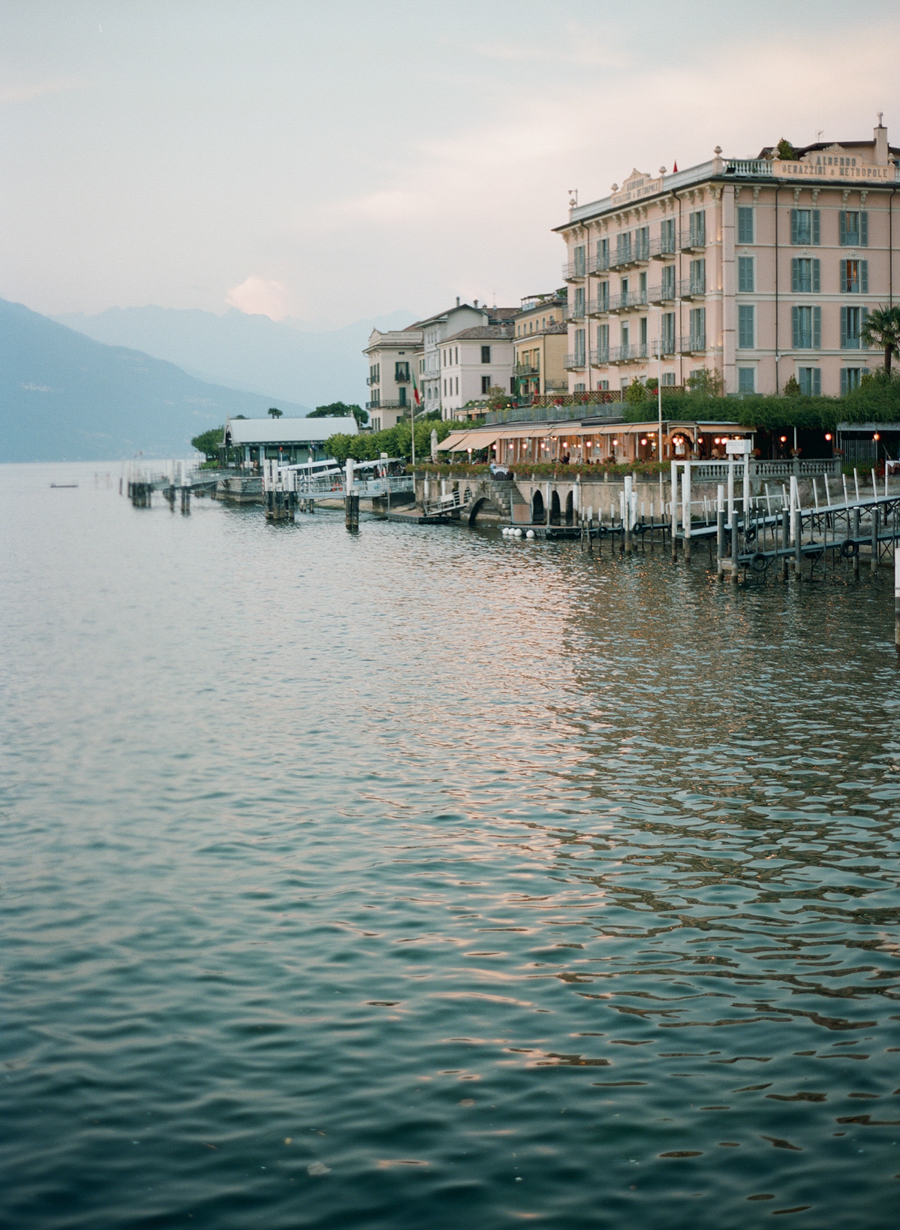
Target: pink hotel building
762,268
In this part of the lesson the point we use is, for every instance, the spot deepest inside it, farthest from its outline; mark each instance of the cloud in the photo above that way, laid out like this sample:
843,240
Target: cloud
389,205
260,297
38,89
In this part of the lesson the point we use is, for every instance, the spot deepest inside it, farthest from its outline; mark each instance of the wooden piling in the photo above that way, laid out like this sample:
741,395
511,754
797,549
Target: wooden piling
874,564
897,595
351,512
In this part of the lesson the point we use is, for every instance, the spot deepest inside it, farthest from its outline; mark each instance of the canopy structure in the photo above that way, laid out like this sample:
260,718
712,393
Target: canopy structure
273,432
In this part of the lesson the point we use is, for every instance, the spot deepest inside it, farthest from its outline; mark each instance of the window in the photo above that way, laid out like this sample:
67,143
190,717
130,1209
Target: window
668,333
603,297
642,287
853,225
457,386
698,277
375,373
805,275
485,385
852,321
401,392
746,379
745,224
376,424
376,397
810,380
698,229
644,332
668,378
854,277
578,263
579,388
578,310
602,384
746,271
851,378
668,282
486,350
642,243
602,253
456,355
625,336
579,347
623,248
667,235
603,343
401,372
746,326
805,227
698,328
445,388
806,327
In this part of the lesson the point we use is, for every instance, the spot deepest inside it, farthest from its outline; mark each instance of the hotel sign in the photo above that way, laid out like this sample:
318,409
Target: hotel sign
832,165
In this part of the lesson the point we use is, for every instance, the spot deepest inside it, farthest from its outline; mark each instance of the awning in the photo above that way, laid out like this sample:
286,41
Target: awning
454,441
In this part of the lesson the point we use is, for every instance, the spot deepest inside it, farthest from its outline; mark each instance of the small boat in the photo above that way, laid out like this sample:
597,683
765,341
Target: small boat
63,484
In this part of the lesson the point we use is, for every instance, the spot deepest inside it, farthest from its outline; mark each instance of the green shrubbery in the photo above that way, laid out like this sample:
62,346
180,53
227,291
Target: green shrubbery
395,441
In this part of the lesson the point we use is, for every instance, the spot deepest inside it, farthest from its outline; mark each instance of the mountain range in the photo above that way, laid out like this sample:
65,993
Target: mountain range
253,353
66,397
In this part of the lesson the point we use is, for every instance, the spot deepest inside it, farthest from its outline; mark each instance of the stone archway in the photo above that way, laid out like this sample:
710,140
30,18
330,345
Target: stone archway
570,509
485,509
555,510
537,508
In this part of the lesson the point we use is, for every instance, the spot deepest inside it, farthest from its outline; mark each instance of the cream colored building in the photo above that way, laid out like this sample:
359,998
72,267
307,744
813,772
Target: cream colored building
472,362
761,268
393,363
540,335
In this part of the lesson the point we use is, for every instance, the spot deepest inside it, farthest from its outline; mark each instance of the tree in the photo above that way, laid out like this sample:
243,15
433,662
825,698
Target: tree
882,328
635,393
275,412
340,410
209,442
785,151
792,388
707,381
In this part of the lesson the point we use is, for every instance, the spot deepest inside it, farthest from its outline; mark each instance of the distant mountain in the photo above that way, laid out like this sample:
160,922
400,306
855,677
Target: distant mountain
252,353
65,397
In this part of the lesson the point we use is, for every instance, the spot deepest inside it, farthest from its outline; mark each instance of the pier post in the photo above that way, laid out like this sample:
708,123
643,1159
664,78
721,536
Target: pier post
626,509
856,536
674,510
185,500
897,594
686,509
874,564
351,512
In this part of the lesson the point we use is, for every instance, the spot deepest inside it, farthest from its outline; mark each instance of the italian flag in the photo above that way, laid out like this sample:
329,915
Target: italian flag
417,400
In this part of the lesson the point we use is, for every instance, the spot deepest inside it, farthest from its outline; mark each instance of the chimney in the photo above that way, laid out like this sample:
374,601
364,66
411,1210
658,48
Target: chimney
475,303
881,143
457,300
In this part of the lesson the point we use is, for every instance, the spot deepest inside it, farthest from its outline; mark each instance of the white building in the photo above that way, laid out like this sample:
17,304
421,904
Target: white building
286,440
472,362
393,361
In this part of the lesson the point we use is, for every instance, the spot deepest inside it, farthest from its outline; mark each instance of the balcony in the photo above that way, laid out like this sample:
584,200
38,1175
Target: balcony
402,376
600,357
574,311
693,343
663,294
574,271
388,405
635,353
692,241
600,264
665,347
631,301
527,369
574,362
759,168
599,307
661,249
692,288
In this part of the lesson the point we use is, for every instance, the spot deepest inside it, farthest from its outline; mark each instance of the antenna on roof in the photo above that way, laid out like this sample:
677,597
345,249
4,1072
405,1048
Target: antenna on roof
880,119
573,198
820,133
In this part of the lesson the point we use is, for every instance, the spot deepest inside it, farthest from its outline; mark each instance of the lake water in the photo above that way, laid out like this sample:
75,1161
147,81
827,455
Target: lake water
420,878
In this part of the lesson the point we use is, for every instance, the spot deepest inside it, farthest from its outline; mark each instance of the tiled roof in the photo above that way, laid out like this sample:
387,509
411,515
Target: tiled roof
501,333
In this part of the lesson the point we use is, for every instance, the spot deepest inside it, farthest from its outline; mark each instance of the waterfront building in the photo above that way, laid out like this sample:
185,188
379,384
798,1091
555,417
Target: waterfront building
393,362
434,330
472,362
760,268
540,334
282,439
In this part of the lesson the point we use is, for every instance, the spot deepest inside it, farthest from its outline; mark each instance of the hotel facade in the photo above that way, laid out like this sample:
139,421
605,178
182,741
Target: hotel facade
761,269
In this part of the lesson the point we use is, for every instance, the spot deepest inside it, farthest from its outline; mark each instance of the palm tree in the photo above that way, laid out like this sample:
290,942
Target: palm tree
882,328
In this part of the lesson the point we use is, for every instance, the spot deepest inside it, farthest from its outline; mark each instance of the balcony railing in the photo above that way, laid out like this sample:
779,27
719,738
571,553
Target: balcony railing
759,168
574,362
574,271
600,357
373,380
665,347
628,302
692,288
600,263
628,354
692,343
637,253
401,377
527,369
661,249
692,241
599,307
574,310
665,293
388,405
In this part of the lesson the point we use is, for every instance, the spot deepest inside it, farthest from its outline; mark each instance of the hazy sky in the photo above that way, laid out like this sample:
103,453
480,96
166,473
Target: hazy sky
333,159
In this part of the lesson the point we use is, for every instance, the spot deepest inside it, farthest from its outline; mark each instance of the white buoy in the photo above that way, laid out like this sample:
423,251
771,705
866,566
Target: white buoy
518,533
530,534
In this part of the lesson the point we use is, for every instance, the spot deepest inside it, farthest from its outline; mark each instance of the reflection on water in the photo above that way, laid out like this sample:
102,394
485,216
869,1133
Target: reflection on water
424,878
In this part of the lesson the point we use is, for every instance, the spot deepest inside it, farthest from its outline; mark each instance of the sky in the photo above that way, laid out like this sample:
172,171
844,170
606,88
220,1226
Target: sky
335,160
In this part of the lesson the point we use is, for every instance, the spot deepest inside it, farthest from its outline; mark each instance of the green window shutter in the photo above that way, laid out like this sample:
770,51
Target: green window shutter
843,331
863,277
795,275
864,228
843,276
795,225
795,326
843,381
817,328
842,227
816,276
815,227
816,381
863,317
